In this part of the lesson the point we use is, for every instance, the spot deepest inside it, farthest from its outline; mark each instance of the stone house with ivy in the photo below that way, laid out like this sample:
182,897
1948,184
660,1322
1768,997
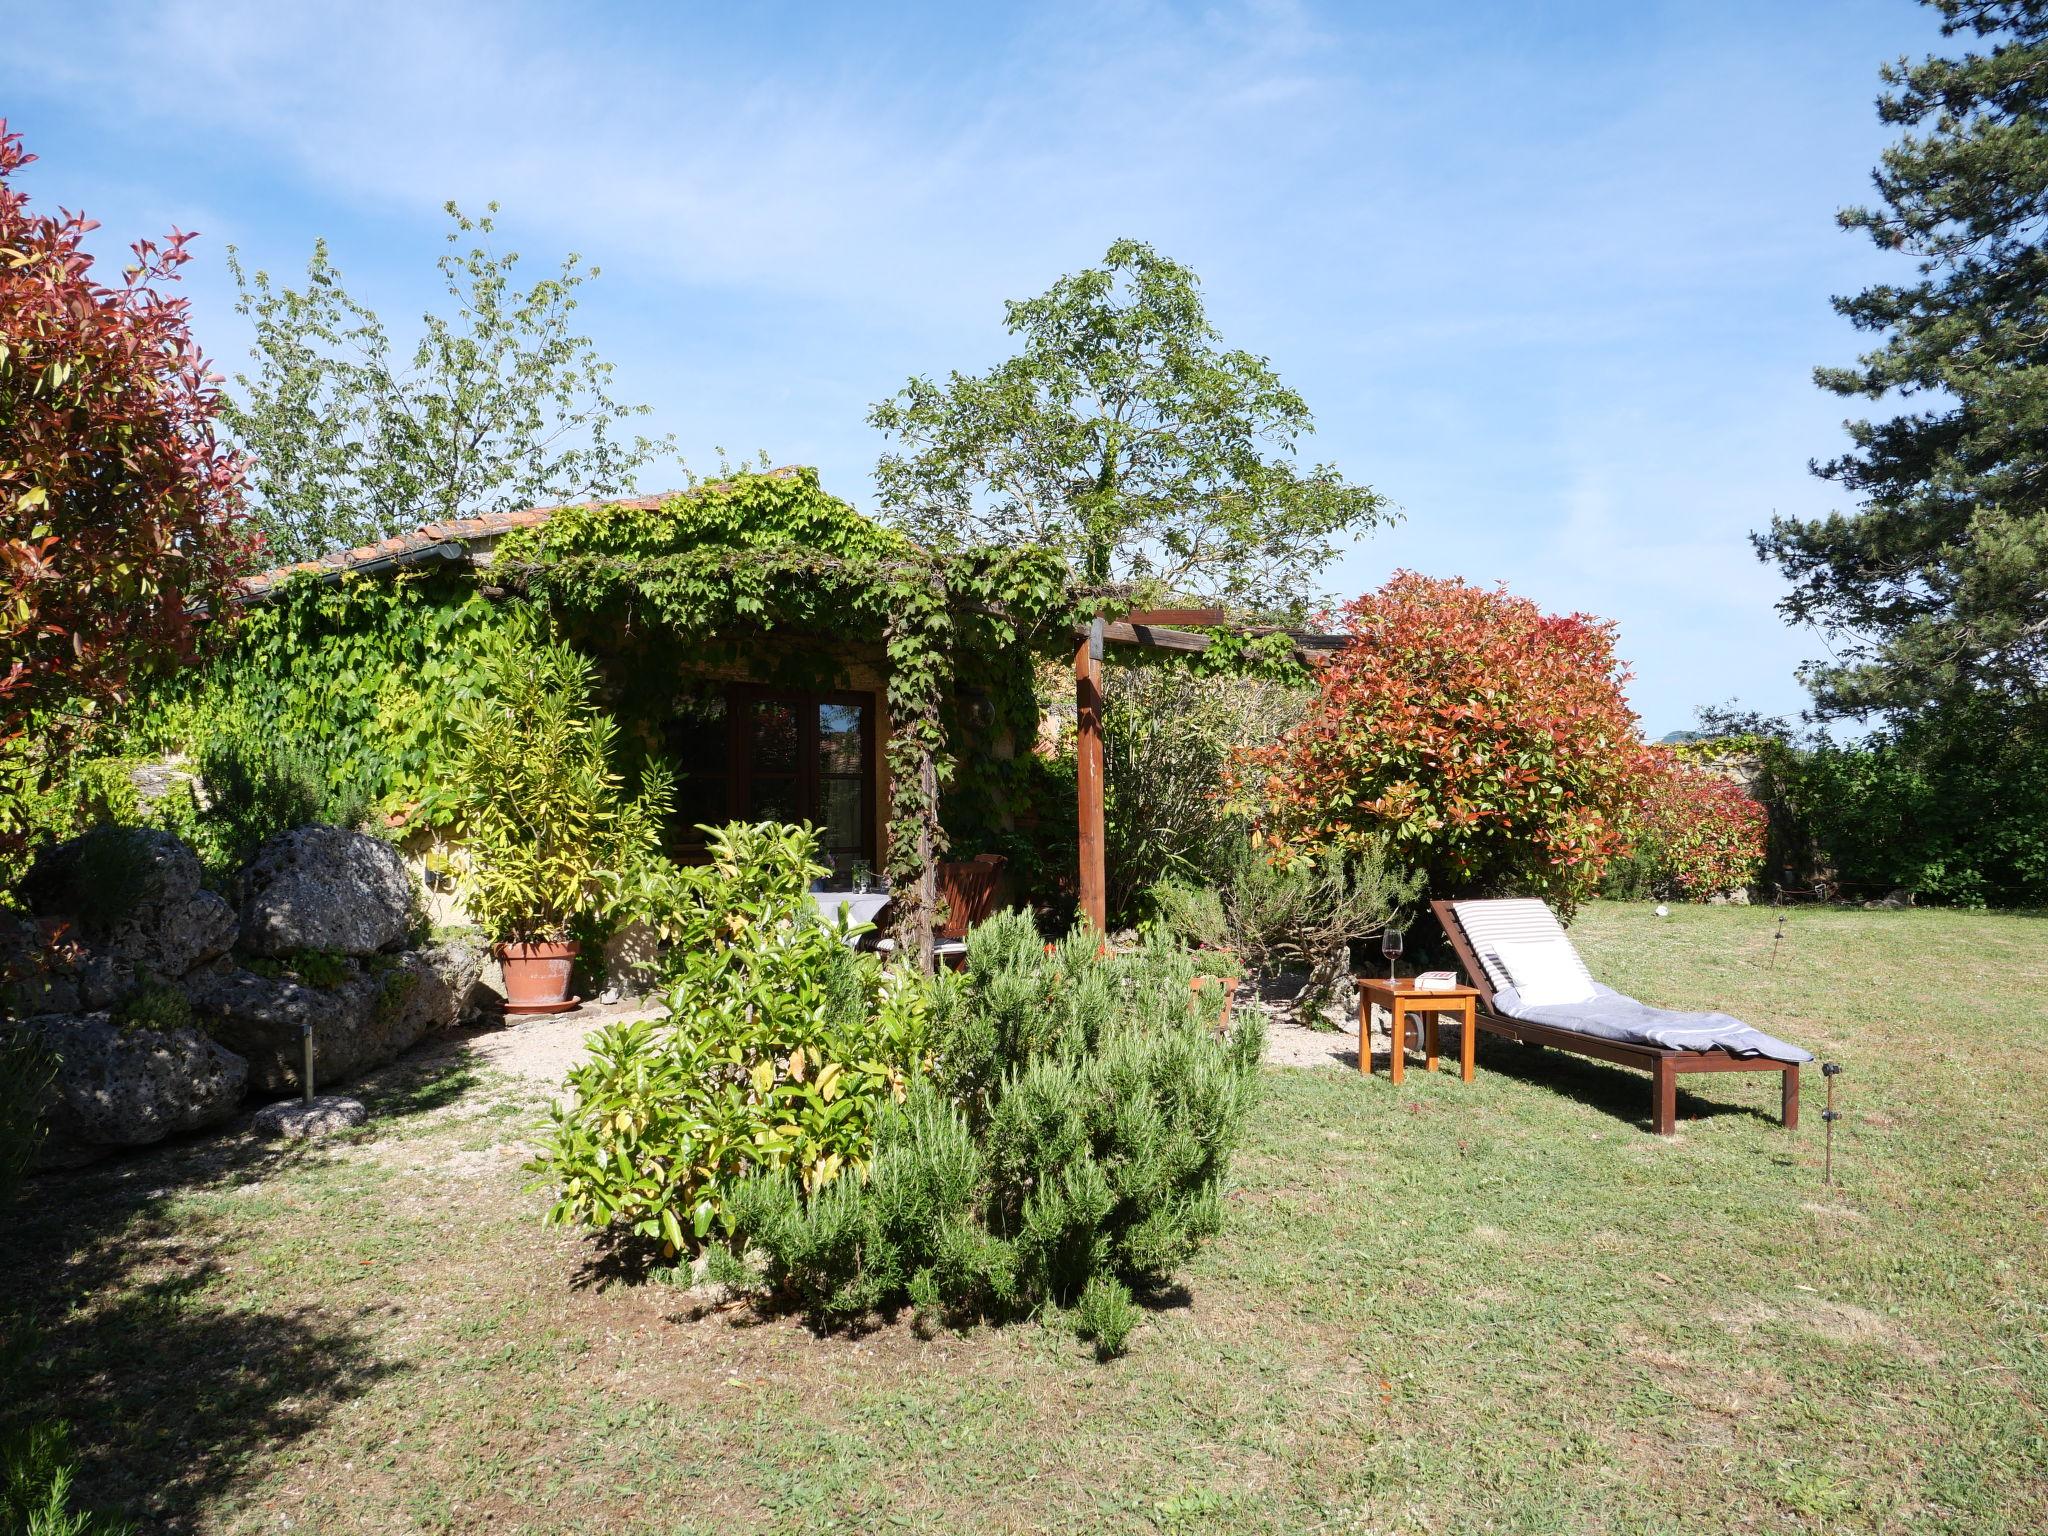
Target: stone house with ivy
758,635
789,658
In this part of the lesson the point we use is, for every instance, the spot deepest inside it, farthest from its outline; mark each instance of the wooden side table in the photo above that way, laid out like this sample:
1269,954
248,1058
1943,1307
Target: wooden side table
1403,998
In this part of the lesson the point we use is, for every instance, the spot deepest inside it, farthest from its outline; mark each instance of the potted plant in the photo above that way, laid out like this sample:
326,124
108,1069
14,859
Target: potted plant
556,847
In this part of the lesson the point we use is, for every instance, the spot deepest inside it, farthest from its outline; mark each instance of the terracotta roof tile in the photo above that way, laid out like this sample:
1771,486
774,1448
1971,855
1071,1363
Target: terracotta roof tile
458,530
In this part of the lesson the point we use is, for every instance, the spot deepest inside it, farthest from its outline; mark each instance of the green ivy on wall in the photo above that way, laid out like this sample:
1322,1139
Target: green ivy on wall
763,572
775,553
370,667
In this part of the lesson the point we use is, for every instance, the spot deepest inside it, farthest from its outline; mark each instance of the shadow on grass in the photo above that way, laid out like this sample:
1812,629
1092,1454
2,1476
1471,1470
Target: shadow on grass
172,1393
612,1258
1614,1090
395,1093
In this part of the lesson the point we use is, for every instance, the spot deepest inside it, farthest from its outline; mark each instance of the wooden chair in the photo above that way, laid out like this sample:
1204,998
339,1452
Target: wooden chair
968,889
1664,1065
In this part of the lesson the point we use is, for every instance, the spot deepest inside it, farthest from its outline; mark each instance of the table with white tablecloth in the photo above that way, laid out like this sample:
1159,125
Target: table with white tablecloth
861,906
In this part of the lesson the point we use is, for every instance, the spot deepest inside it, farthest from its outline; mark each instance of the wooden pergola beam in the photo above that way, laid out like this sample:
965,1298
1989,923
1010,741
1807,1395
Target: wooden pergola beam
1156,616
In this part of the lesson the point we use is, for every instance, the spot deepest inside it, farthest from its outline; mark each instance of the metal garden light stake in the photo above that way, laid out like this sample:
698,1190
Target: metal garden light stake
1830,1070
1777,939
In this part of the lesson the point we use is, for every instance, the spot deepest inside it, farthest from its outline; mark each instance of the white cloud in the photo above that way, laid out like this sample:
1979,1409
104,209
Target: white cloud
792,179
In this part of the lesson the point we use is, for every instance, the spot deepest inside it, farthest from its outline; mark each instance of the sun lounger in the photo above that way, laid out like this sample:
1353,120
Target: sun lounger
1597,1021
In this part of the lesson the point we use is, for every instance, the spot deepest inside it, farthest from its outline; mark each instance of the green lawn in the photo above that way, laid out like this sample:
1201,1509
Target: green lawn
1502,1307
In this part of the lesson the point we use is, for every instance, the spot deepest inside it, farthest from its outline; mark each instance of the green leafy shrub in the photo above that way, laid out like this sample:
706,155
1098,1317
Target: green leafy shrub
1274,909
1168,737
556,847
1633,876
1952,806
1076,1128
780,1048
31,812
260,783
154,1005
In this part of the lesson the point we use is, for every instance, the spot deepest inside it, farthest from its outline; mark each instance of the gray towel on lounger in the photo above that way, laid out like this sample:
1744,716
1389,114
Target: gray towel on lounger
1613,1016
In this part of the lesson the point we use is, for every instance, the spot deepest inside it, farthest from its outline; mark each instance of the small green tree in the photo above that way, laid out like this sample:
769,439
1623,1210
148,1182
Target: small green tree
557,849
1124,436
1168,737
502,407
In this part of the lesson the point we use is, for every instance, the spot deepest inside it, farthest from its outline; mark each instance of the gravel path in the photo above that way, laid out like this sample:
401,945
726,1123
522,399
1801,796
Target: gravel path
542,1048
1289,1044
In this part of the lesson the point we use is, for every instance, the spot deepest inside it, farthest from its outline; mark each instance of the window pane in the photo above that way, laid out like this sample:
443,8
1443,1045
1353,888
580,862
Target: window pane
701,801
839,813
695,744
694,738
842,738
773,799
772,741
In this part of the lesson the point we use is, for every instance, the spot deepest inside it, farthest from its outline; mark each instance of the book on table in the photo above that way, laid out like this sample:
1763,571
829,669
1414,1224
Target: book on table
1436,981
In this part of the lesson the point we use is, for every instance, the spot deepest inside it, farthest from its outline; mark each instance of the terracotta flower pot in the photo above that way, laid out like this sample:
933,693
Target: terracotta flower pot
537,976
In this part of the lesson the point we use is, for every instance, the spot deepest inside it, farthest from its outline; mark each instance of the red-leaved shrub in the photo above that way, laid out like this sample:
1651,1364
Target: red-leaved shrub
1696,832
118,505
1487,741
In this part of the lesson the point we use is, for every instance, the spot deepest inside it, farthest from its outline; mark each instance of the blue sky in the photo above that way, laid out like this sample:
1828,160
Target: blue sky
1552,277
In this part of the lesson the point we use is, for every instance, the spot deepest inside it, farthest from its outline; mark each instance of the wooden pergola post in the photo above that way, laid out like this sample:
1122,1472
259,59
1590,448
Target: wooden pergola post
1088,775
1133,629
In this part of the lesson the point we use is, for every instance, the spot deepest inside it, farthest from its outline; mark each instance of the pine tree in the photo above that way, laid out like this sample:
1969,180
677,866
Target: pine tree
1936,589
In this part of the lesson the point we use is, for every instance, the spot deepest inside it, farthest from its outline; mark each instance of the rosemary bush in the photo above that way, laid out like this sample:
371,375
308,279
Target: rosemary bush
259,784
1071,1142
1302,910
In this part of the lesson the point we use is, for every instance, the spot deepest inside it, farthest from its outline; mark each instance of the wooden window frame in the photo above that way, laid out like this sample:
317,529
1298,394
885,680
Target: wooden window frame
739,700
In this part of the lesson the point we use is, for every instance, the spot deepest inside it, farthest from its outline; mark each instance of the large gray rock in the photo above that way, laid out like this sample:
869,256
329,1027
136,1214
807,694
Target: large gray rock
156,782
264,1019
128,1087
447,990
378,1011
139,909
37,991
180,935
325,888
308,1120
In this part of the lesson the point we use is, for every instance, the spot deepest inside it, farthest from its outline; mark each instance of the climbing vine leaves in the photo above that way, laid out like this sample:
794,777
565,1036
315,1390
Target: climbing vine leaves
774,552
